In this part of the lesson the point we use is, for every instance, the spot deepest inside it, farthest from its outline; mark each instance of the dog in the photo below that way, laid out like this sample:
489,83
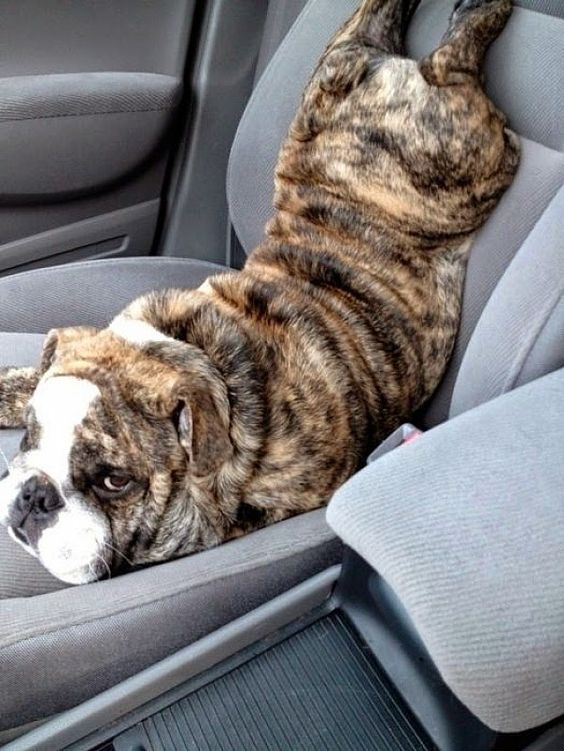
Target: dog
201,415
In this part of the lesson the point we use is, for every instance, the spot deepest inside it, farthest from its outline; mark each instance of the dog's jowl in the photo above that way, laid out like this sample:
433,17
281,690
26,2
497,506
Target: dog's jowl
199,415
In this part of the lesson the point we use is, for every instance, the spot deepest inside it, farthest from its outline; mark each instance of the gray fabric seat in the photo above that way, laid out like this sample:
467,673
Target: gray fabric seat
81,640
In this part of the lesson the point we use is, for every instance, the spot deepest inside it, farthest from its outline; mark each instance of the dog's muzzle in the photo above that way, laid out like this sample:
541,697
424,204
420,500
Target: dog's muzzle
35,508
71,537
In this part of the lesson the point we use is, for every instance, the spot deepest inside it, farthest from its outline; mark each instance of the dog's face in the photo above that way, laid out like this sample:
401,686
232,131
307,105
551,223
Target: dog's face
121,441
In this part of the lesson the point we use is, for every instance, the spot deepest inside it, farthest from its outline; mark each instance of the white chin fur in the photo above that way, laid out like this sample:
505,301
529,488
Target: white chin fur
74,548
78,576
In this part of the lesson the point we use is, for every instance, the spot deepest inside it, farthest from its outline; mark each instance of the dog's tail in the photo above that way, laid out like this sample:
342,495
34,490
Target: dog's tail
16,389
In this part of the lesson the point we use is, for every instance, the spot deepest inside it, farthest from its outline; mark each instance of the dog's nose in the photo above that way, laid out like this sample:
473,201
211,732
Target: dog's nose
39,498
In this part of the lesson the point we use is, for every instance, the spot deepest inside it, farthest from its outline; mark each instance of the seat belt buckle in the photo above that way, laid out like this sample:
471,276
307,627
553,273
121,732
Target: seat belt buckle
406,433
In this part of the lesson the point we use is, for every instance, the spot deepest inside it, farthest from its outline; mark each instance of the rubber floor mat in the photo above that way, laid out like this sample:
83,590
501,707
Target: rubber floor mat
319,689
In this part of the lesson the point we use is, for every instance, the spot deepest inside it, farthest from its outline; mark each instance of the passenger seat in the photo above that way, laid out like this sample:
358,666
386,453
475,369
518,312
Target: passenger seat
61,645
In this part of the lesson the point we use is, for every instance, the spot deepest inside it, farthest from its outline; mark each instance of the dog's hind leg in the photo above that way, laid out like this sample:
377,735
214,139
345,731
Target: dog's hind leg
16,389
373,34
379,23
474,25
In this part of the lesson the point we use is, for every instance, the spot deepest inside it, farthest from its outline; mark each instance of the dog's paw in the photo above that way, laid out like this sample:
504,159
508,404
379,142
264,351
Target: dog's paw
483,18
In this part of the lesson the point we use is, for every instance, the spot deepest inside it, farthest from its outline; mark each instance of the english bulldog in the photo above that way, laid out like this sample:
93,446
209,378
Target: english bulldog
200,415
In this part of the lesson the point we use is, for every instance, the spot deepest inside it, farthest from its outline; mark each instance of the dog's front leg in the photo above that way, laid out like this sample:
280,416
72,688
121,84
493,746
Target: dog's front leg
374,33
474,25
16,389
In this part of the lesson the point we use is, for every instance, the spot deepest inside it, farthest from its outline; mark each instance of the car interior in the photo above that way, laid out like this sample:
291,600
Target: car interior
424,609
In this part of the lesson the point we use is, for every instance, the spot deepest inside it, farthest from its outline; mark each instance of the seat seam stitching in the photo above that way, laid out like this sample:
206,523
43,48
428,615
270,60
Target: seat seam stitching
97,113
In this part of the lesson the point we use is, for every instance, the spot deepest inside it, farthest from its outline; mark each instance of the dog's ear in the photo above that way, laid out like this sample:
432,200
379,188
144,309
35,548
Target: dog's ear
57,339
203,434
176,381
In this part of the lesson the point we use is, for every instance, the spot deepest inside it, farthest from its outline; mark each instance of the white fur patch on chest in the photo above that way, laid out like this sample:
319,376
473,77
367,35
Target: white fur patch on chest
137,332
60,403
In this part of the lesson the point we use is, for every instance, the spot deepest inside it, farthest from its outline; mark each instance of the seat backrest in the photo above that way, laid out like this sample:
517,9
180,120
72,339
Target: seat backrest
525,77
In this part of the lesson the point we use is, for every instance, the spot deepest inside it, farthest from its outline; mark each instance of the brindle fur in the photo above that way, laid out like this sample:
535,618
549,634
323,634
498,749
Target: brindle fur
341,323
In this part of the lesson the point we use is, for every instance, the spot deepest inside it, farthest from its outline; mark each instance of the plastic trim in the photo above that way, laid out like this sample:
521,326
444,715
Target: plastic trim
78,724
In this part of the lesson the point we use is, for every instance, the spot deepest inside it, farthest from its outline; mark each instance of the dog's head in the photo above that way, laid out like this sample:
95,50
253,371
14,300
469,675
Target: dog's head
124,436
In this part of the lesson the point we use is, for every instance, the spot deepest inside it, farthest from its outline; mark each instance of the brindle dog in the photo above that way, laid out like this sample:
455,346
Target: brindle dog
200,415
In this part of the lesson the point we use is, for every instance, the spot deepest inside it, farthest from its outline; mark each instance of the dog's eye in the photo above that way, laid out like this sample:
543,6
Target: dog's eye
115,483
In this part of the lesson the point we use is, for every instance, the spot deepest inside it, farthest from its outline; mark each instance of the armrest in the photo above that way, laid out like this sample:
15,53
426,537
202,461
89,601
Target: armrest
73,133
467,526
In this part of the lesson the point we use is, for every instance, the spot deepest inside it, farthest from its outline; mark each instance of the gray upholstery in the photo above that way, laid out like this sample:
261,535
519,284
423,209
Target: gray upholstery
76,641
549,7
268,115
79,641
89,293
540,176
520,335
23,349
280,18
467,526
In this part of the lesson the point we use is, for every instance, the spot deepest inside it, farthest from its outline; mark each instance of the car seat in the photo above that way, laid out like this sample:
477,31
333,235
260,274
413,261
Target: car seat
60,645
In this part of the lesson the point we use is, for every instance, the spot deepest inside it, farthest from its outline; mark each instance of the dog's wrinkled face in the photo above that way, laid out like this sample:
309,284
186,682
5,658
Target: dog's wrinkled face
42,507
108,474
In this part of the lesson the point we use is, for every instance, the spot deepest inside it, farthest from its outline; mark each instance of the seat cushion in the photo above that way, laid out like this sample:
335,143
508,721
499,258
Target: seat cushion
62,647
89,293
520,335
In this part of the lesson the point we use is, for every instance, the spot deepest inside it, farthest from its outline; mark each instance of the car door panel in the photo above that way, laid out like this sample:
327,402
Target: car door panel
73,36
88,97
68,134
